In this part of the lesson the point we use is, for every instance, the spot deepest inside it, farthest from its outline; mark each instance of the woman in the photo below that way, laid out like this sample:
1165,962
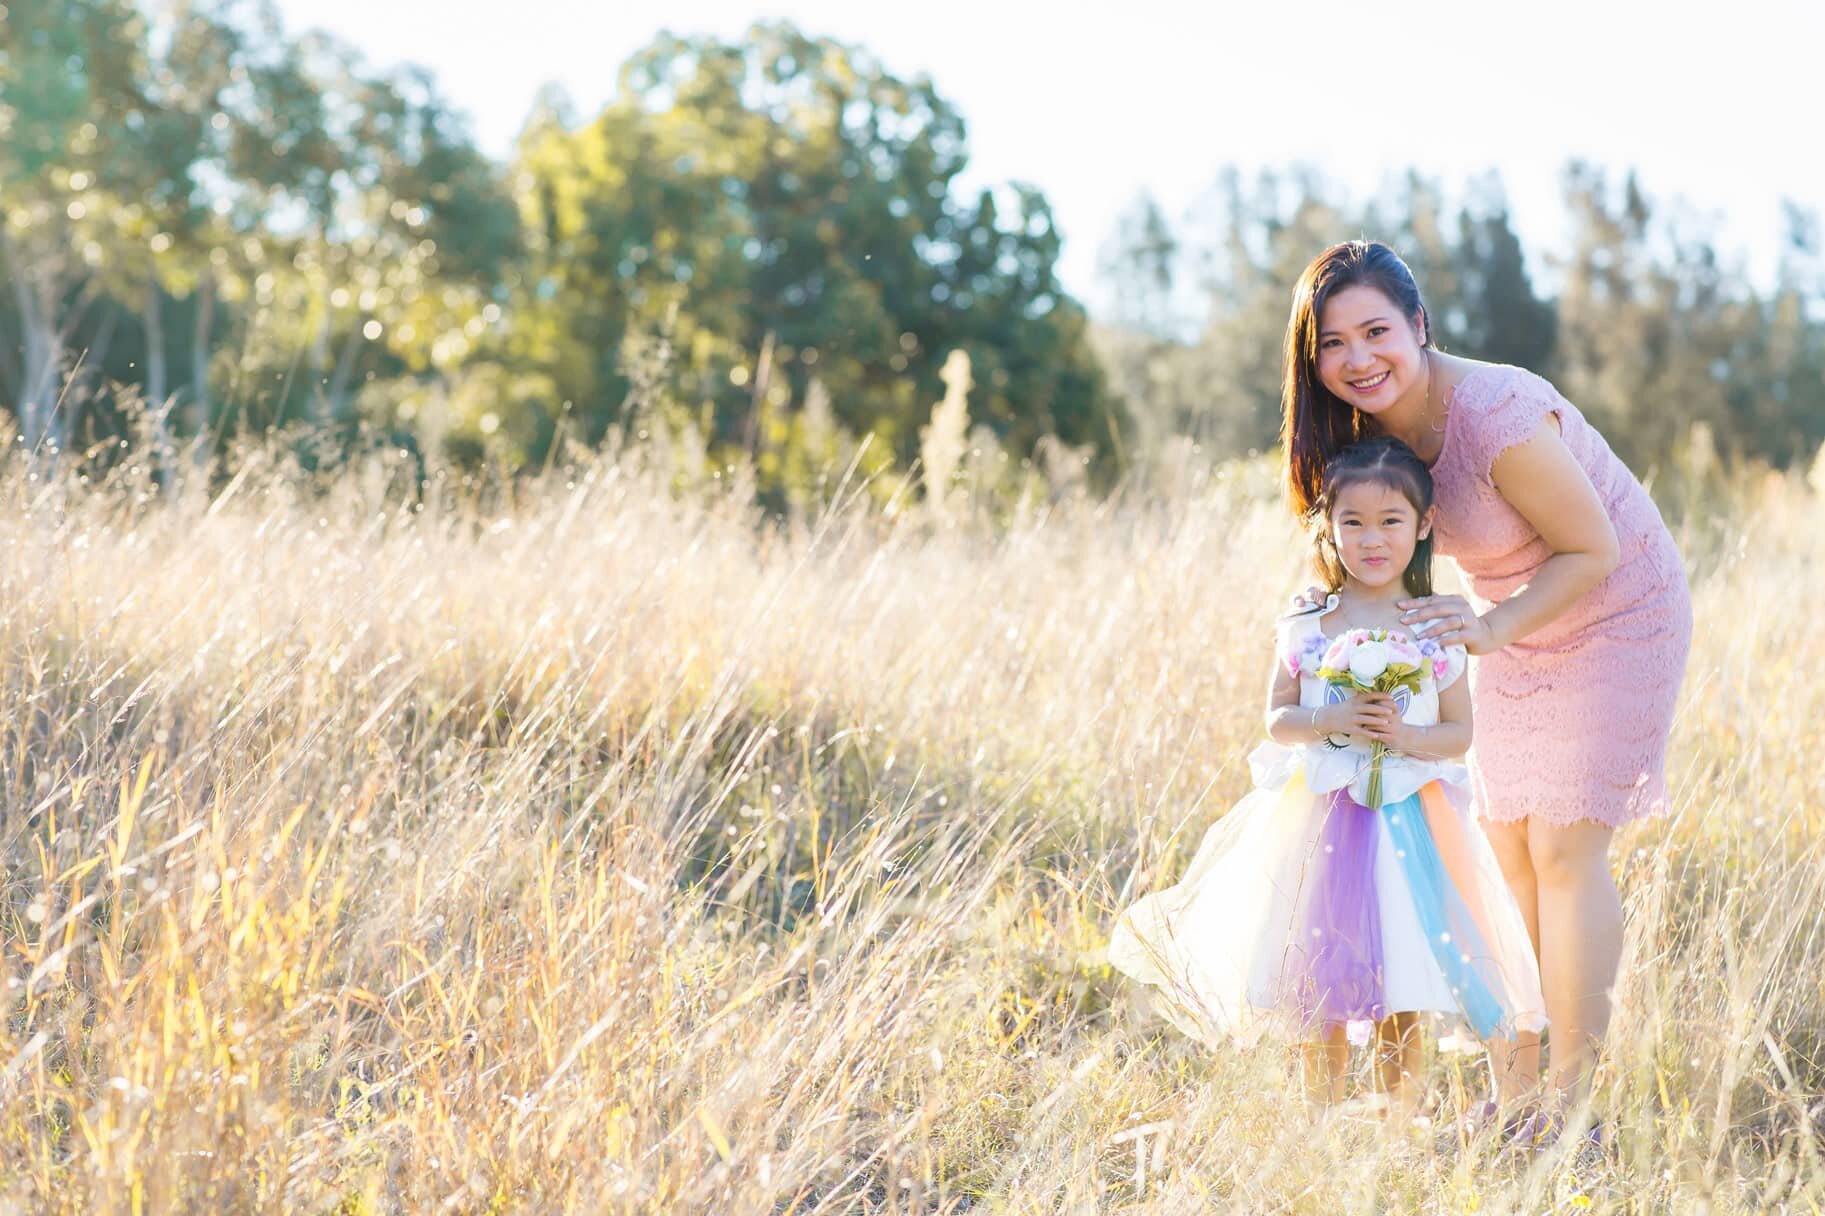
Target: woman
1581,614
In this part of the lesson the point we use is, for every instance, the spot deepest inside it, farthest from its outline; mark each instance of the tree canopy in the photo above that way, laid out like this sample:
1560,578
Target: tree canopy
249,229
760,244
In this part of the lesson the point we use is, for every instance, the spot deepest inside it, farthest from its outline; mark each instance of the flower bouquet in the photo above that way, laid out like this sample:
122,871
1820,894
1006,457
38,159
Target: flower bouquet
1373,660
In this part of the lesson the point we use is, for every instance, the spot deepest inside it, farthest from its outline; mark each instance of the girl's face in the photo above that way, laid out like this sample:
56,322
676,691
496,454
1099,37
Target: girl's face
1369,355
1375,529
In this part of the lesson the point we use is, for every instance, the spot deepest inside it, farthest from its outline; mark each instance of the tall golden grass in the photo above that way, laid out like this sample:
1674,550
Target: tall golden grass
578,846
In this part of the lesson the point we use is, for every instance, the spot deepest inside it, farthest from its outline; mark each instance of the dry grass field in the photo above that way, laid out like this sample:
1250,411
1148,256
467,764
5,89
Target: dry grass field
584,846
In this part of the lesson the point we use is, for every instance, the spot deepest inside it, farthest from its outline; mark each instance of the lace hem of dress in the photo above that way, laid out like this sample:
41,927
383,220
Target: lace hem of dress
1609,814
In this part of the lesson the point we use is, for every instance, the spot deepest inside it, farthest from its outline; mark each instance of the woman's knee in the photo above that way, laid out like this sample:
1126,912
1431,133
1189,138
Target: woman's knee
1568,854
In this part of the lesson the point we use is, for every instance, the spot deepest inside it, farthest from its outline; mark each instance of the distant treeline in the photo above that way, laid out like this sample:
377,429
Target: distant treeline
1651,324
758,248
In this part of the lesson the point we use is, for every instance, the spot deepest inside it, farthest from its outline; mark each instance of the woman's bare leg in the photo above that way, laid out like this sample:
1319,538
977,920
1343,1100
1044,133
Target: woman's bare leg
1517,1060
1580,941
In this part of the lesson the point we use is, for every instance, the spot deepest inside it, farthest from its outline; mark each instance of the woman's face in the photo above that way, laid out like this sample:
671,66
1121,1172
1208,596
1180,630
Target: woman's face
1369,355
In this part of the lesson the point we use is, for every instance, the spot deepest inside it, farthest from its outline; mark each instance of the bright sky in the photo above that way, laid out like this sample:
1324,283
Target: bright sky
1095,105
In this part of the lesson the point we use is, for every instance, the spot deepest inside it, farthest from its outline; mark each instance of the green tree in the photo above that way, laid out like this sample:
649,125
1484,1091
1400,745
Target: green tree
782,208
230,131
415,249
1788,416
1651,322
1414,220
1497,315
1262,234
68,70
1137,340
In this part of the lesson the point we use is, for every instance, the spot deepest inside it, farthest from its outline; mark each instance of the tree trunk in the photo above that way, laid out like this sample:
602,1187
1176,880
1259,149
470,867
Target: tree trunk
88,368
158,405
319,357
200,405
36,291
43,369
335,397
152,320
757,396
9,374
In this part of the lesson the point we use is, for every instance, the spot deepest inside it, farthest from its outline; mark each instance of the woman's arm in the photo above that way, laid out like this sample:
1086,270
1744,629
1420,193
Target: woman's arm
1290,723
1544,483
1445,741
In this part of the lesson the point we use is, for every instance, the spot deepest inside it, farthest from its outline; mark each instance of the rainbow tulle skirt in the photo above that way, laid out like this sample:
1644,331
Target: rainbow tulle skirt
1304,909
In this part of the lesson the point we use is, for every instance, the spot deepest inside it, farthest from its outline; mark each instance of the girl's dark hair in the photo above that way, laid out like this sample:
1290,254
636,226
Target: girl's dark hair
1314,424
1381,460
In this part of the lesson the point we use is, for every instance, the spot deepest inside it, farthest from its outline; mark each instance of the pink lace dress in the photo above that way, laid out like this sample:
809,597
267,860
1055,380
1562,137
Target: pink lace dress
1572,720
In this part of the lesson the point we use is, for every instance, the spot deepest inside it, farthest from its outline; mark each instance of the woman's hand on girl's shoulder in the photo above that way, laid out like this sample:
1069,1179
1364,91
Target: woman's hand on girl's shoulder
1309,600
1449,620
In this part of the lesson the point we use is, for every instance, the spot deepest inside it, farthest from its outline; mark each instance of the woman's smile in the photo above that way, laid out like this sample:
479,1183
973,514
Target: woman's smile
1371,384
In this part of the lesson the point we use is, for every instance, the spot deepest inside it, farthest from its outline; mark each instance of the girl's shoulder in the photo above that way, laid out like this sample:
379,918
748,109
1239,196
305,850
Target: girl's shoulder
1299,637
1441,664
1301,643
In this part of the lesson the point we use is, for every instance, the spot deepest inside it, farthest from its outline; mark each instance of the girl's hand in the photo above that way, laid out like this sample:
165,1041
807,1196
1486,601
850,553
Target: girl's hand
1449,620
1383,722
1367,715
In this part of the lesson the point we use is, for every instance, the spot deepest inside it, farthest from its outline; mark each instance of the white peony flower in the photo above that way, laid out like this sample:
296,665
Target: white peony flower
1368,661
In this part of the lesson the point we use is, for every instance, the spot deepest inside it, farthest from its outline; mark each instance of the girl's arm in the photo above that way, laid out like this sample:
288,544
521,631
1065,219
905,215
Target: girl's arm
1290,723
1546,485
1446,741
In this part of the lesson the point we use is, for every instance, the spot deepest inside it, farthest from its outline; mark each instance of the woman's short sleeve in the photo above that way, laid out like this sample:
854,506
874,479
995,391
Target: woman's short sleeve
1513,418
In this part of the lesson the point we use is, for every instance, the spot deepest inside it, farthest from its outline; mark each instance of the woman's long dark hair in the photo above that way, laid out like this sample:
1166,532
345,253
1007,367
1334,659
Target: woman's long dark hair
1382,460
1314,424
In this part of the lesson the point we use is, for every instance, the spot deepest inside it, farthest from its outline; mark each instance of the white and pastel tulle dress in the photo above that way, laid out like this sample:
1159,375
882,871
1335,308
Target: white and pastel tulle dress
1303,907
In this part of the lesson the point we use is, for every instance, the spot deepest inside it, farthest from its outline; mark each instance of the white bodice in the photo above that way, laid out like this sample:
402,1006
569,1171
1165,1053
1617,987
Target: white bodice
1334,765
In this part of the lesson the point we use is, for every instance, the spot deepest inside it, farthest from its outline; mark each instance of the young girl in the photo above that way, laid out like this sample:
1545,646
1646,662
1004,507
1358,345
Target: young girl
1307,911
